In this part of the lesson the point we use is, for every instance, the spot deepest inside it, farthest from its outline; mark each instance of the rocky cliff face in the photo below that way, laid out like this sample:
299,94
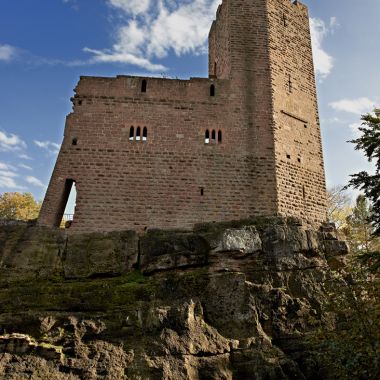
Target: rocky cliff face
226,301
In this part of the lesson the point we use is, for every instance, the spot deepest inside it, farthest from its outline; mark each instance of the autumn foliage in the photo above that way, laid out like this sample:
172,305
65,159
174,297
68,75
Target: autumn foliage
18,206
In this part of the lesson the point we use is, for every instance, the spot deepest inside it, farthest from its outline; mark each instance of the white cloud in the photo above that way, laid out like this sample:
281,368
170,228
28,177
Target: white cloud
3,166
108,57
7,53
8,173
34,181
7,177
51,147
131,6
11,142
357,106
9,183
323,62
24,156
153,29
26,167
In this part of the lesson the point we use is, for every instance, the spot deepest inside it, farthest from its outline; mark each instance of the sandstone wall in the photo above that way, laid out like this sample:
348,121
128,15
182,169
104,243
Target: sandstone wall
262,155
300,173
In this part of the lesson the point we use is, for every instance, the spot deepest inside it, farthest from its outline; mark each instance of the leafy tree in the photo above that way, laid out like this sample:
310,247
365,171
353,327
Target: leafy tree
369,143
338,206
359,230
19,206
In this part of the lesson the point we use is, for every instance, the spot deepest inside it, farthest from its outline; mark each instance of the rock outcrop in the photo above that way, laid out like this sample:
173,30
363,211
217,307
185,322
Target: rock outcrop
225,301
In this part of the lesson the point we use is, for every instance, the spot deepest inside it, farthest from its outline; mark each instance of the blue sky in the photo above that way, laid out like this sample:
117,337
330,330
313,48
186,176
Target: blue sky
45,45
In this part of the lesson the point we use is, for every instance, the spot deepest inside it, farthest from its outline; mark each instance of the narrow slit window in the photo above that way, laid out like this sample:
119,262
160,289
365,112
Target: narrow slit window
213,136
290,84
303,192
219,136
131,133
138,134
212,90
202,191
143,85
145,134
284,19
207,136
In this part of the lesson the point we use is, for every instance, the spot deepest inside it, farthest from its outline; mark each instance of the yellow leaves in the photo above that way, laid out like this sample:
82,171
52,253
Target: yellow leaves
18,206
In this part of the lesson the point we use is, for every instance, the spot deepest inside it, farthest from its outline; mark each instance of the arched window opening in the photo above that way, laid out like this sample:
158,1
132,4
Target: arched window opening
212,90
143,85
131,133
219,136
74,141
138,134
213,136
145,134
207,137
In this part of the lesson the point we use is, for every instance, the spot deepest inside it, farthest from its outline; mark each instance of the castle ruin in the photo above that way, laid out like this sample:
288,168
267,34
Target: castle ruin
163,153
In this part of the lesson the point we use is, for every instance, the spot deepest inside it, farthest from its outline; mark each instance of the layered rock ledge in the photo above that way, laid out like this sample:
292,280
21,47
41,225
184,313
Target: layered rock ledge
225,301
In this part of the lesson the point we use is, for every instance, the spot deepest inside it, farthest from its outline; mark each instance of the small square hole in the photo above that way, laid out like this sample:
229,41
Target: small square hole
288,156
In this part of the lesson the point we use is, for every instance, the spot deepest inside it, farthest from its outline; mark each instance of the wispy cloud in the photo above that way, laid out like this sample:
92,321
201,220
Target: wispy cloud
112,57
11,142
8,173
26,167
72,3
7,177
357,106
4,166
7,52
323,61
9,183
51,147
24,156
133,7
34,181
153,29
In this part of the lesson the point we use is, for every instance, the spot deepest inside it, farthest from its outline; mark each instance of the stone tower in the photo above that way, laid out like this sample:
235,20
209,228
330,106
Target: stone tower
162,153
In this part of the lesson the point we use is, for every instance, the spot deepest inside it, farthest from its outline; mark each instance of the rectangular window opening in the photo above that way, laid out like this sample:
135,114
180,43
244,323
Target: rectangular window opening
66,212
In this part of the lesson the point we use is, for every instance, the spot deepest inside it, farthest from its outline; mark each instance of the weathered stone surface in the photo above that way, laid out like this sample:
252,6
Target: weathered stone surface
163,251
99,254
246,240
215,305
30,252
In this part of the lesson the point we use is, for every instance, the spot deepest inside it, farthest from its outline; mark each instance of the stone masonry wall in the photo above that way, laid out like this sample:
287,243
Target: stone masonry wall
159,182
299,170
177,178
